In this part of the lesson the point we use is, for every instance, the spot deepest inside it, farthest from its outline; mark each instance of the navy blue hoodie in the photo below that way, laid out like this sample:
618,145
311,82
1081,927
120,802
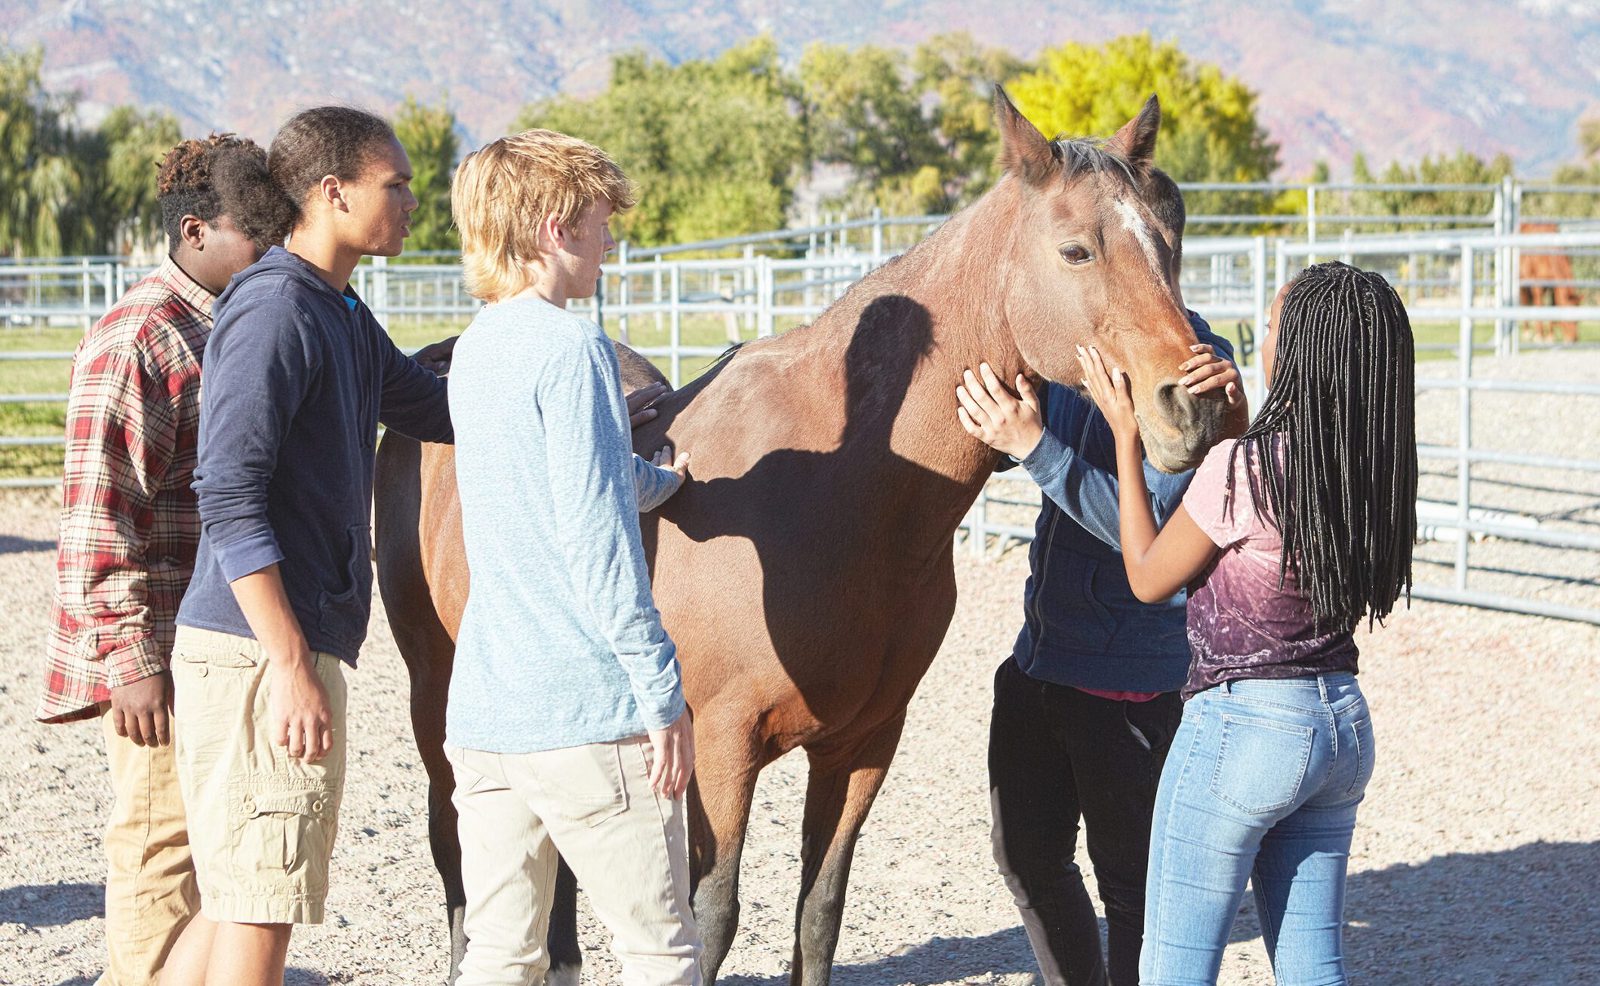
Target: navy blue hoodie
1082,624
296,378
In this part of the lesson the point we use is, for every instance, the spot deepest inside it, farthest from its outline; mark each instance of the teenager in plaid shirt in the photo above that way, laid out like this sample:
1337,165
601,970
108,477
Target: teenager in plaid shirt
129,530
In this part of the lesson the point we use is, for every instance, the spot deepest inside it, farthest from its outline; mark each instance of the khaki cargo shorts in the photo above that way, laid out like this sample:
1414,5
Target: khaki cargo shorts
261,824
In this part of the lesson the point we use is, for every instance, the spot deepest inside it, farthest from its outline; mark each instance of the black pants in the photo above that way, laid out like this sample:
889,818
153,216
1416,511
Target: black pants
1056,755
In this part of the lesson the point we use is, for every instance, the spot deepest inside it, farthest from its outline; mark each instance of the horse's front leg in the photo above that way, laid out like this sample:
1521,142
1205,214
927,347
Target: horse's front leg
839,792
728,757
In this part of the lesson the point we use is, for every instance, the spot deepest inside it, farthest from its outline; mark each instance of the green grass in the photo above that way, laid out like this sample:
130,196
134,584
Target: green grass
34,419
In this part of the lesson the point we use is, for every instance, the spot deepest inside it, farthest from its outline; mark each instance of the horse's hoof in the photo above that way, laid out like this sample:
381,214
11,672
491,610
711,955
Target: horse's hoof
562,975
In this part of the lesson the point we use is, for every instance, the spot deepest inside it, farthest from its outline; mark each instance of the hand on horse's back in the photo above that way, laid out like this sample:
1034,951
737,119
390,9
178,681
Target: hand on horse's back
436,356
639,409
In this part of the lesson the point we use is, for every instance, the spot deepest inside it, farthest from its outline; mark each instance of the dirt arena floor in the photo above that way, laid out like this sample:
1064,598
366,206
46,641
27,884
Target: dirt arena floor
1476,858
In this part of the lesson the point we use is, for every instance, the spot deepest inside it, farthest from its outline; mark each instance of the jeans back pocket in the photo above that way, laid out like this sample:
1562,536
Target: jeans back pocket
1365,750
1261,763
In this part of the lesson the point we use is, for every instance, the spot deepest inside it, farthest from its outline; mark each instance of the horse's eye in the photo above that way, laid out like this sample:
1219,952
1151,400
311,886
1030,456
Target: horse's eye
1074,254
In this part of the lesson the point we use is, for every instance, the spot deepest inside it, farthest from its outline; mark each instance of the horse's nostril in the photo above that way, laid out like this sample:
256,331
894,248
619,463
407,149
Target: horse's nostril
1178,406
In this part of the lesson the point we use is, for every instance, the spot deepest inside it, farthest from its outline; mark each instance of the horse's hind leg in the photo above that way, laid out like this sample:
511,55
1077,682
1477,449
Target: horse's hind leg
727,760
429,664
839,793
561,941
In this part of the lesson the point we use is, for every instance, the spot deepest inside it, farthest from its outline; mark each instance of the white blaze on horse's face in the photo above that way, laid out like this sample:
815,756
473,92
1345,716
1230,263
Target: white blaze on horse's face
1136,224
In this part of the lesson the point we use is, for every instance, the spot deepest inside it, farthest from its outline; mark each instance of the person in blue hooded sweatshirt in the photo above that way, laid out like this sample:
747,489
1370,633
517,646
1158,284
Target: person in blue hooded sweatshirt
1087,704
297,376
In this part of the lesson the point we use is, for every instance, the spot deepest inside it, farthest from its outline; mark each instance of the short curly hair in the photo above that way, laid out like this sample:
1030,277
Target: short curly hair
222,175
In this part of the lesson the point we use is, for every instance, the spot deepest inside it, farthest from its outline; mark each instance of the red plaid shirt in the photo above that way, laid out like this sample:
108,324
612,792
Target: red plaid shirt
129,527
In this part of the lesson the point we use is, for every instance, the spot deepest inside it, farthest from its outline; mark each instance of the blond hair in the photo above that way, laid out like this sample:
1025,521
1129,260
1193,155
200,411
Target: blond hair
503,192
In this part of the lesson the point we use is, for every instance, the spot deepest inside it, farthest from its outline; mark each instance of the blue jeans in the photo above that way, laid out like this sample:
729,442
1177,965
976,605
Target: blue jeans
1261,784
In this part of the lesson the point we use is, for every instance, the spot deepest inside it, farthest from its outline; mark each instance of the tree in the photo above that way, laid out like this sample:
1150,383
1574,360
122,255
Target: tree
1589,136
70,190
122,155
43,213
862,113
1462,168
960,78
1209,129
714,145
917,132
428,133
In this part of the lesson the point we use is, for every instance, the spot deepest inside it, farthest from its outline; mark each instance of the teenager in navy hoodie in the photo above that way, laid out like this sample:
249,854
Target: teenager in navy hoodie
1087,704
298,374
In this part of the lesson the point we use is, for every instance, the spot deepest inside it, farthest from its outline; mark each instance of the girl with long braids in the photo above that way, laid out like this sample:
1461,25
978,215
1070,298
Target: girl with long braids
1289,537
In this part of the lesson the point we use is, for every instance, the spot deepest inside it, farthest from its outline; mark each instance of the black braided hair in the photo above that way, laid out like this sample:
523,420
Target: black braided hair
1342,415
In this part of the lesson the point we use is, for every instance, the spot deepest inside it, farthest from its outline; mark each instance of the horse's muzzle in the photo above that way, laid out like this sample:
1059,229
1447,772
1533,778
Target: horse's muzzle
1182,427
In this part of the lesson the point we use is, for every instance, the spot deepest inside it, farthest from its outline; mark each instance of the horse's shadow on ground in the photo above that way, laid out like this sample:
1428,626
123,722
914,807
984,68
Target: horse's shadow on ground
1496,917
1490,917
1525,915
937,960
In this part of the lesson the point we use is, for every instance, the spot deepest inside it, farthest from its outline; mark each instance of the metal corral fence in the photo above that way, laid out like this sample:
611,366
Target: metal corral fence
684,310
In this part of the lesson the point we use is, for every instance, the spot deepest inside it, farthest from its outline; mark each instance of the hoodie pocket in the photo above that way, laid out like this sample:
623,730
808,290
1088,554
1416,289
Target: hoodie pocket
1072,608
354,579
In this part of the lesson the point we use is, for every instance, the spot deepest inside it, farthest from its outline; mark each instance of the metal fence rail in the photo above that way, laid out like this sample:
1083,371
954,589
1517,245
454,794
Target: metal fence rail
683,311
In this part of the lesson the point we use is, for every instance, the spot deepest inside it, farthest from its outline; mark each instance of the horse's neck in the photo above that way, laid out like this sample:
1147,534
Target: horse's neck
951,278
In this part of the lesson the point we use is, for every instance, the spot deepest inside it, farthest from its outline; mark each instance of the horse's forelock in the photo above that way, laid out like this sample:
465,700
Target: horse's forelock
1079,155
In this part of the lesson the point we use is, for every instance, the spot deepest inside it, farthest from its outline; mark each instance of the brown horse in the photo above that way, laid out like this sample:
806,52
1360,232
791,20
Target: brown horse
1547,275
806,571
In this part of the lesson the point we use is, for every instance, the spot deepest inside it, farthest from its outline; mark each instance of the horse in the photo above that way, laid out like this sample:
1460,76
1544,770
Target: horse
806,569
1550,275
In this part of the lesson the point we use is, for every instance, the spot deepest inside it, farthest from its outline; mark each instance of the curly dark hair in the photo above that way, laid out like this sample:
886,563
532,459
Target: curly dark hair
222,175
325,140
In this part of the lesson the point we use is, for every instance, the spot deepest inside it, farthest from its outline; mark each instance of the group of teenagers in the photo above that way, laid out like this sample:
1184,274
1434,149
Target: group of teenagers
1183,689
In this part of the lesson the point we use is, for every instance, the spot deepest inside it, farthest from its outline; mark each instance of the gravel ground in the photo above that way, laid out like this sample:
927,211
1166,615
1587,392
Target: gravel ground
1476,859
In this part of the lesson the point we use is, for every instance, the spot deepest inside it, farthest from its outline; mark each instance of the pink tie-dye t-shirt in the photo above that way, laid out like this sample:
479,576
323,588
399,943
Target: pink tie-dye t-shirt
1241,624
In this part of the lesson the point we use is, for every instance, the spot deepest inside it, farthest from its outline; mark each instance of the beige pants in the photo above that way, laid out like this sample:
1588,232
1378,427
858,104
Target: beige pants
150,886
262,822
626,845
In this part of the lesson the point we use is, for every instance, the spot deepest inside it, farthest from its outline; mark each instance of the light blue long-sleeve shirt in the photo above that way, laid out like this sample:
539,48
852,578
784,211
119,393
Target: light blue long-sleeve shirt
561,644
652,484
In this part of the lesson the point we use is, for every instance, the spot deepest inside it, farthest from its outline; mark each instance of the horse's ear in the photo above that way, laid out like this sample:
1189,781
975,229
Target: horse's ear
1136,141
1023,149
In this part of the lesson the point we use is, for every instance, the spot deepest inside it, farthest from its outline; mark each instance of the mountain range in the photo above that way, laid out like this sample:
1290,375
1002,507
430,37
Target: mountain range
1396,79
